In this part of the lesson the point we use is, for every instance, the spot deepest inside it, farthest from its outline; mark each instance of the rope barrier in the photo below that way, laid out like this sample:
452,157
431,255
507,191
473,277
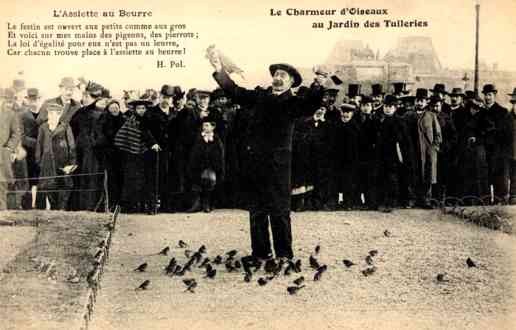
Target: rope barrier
53,177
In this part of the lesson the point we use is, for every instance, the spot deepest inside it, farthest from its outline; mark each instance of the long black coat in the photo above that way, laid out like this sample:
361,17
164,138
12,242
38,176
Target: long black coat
269,142
498,140
206,155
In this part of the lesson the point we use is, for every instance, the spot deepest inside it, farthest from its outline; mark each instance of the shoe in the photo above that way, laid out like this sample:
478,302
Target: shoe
196,206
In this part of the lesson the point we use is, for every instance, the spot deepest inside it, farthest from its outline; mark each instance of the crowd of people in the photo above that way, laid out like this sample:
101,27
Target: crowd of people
172,150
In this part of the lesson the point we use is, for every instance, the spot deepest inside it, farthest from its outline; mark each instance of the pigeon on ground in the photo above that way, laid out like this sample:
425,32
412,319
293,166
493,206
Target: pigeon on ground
99,252
373,253
262,281
238,264
101,244
210,273
369,271
470,263
182,244
348,263
314,263
442,277
294,289
231,253
297,265
229,267
141,268
191,287
202,249
317,249
144,285
299,280
164,252
248,277
369,260
218,260
171,266
387,233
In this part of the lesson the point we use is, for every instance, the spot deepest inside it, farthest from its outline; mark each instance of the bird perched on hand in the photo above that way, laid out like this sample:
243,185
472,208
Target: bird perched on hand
182,244
314,263
227,64
144,285
299,280
470,263
294,289
141,268
164,252
348,263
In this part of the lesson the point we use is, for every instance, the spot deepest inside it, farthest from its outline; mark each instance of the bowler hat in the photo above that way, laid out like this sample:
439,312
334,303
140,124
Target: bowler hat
354,90
217,93
178,92
435,99
400,88
513,96
68,82
469,94
32,93
167,90
296,76
421,93
390,100
439,88
376,90
457,91
94,89
144,99
489,88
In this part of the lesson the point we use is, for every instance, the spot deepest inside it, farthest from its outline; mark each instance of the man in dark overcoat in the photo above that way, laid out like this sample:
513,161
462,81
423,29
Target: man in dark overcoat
270,147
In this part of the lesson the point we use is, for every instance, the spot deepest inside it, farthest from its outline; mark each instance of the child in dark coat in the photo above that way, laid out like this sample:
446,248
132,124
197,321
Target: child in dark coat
347,156
206,166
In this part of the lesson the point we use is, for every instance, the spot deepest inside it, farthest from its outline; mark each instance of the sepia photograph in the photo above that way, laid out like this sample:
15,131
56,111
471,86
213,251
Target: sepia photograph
288,164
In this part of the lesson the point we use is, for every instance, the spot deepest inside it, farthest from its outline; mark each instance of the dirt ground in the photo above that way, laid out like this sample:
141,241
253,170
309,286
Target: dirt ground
39,255
402,294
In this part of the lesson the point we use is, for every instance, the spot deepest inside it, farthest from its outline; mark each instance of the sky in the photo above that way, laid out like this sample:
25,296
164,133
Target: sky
247,33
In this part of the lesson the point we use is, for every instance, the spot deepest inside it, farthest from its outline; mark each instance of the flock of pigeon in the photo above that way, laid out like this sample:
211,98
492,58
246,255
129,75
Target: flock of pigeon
250,266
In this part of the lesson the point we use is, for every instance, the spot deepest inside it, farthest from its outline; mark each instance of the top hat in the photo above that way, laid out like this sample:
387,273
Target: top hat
457,91
376,90
68,82
421,93
513,96
354,90
400,88
489,88
18,84
366,99
289,69
439,88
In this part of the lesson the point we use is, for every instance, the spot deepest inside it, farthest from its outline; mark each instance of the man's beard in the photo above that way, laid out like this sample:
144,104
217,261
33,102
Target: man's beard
277,85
